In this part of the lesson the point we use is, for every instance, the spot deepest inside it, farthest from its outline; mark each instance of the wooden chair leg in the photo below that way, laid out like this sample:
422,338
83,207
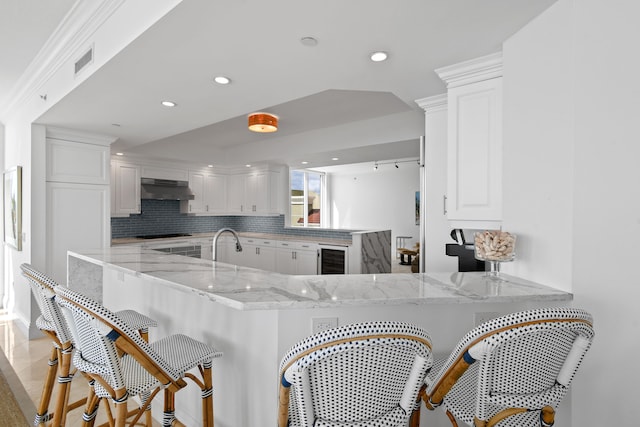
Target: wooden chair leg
147,413
91,408
283,404
64,386
207,395
144,334
414,421
42,415
122,411
168,413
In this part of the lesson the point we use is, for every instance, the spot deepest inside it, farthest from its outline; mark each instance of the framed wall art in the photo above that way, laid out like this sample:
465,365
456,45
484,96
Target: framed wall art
12,197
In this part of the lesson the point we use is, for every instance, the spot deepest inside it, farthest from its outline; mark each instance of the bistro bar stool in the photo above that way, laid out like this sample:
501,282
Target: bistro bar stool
364,374
512,371
53,325
143,370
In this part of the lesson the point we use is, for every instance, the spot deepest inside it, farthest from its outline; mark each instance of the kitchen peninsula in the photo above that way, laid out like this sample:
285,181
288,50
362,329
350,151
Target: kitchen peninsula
254,316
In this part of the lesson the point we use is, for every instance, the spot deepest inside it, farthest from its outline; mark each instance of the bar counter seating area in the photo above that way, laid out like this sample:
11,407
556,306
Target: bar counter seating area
342,350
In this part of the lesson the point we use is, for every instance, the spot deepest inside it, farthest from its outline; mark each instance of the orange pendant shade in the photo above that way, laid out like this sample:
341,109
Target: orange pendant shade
263,122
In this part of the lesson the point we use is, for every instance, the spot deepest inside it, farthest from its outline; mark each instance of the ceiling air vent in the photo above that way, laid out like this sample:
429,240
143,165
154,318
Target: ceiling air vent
84,60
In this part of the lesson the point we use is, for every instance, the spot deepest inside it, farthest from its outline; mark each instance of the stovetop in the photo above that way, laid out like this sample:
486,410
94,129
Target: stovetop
163,236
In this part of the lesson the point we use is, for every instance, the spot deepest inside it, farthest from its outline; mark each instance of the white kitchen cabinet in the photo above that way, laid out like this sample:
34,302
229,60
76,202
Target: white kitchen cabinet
215,194
196,184
235,194
210,193
259,253
76,161
125,188
77,199
254,193
474,140
297,258
435,225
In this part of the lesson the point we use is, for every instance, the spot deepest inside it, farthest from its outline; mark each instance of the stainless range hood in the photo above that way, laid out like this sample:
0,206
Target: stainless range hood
165,189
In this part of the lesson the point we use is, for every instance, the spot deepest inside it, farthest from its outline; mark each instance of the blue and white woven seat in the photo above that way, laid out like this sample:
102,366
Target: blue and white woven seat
145,368
512,371
365,374
51,322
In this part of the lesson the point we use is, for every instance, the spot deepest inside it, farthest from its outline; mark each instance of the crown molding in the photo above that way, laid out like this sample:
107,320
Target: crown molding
433,103
79,136
472,71
74,31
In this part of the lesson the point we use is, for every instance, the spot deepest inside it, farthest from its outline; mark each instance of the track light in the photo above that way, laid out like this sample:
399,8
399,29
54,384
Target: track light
396,163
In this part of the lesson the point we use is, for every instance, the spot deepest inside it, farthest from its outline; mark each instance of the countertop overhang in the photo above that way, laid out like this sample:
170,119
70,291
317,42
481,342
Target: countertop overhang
244,288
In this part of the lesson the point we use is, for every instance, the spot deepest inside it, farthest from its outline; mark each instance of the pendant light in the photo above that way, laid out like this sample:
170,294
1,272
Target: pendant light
263,122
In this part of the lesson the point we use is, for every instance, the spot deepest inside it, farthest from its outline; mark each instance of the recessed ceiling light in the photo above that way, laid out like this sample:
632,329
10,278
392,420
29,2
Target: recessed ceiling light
305,163
119,154
248,166
378,56
209,166
335,158
222,80
169,103
309,41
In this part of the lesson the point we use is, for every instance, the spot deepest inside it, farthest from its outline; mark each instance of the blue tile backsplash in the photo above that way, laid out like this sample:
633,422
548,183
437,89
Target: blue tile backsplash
163,217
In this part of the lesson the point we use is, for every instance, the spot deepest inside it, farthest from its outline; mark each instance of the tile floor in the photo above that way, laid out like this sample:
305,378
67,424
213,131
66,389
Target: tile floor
28,359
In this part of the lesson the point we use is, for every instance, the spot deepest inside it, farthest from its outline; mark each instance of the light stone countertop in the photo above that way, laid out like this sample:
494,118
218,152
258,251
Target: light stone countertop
244,288
207,236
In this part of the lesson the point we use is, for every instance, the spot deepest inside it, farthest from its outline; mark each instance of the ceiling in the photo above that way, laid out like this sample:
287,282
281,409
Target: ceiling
331,99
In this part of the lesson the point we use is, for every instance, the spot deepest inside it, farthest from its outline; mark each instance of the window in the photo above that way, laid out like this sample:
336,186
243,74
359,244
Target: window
307,198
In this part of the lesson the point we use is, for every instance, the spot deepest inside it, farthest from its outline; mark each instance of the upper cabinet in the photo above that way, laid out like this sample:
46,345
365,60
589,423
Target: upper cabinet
474,142
125,188
210,193
254,193
215,192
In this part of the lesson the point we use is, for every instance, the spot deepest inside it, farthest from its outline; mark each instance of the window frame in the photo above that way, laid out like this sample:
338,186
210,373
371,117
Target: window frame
324,206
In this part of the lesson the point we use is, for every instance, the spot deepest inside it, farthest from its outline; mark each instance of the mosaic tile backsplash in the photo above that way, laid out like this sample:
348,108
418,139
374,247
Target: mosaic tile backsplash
163,217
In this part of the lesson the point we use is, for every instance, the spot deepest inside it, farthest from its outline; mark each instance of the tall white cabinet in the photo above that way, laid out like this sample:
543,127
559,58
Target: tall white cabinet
77,192
436,226
474,142
462,183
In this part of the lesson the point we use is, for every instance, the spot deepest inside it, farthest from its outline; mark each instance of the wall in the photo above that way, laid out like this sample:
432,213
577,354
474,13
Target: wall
18,152
364,199
25,141
538,154
572,90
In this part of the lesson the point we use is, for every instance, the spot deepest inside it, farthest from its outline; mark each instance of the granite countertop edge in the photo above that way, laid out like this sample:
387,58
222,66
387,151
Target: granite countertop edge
206,236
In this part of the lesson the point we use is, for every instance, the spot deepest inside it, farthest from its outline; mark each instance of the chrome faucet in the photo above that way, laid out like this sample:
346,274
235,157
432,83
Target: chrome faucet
215,241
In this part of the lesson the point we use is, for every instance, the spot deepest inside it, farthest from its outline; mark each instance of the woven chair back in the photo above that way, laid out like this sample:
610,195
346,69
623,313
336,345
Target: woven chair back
362,373
42,288
523,360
